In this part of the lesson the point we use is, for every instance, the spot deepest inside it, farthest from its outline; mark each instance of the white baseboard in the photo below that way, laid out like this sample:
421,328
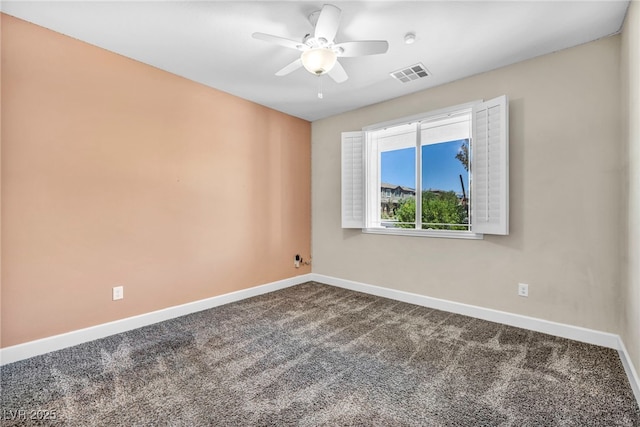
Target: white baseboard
552,328
630,370
576,333
58,342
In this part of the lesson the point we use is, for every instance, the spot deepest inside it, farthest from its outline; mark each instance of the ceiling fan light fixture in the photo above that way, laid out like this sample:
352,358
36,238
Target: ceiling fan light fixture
319,61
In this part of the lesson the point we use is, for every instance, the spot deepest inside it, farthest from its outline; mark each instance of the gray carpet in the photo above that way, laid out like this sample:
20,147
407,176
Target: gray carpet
315,355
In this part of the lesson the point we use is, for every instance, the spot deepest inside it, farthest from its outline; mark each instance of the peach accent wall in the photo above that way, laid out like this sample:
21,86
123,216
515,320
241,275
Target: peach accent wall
117,173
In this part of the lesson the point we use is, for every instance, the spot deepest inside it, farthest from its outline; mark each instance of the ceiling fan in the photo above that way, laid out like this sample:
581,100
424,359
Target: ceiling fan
320,51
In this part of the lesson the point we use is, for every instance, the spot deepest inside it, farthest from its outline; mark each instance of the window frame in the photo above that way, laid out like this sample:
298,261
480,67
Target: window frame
429,116
494,139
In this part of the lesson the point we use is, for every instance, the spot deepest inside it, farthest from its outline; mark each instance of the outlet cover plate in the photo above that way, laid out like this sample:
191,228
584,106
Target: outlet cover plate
523,289
118,292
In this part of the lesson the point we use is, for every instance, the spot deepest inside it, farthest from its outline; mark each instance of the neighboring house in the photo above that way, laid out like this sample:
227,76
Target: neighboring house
391,195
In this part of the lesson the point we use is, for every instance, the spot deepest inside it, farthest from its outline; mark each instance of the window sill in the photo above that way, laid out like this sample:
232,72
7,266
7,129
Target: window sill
425,233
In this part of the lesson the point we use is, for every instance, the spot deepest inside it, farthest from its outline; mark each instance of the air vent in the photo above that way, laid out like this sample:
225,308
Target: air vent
413,72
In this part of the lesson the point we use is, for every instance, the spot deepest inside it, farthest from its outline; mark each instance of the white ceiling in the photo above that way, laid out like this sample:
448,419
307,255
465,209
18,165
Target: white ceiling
210,41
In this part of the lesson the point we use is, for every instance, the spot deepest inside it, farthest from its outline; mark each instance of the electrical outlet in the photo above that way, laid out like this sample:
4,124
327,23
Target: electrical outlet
118,292
296,261
523,289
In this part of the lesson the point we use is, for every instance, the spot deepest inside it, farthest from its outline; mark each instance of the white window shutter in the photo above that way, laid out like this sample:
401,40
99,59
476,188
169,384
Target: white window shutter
353,180
490,167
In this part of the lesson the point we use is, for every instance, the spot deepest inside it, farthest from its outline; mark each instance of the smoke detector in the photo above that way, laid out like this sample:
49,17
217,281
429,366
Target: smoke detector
409,38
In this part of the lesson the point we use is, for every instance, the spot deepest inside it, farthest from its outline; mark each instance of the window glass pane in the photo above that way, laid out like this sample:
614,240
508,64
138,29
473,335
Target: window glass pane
445,185
397,188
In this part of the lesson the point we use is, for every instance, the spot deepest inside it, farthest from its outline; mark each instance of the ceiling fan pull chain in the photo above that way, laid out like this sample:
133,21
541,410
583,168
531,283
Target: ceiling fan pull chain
320,95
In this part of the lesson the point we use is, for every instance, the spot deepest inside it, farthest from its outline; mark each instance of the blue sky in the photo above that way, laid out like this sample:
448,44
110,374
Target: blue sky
440,170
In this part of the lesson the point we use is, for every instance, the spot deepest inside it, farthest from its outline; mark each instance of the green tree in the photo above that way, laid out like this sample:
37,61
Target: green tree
463,155
406,212
440,208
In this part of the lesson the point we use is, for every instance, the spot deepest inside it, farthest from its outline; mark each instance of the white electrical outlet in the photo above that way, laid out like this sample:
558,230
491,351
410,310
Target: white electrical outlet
523,289
118,292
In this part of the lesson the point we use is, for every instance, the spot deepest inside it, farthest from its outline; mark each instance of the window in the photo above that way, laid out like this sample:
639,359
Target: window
442,174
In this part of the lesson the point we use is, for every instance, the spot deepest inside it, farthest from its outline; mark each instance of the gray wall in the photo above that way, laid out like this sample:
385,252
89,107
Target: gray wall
631,159
566,178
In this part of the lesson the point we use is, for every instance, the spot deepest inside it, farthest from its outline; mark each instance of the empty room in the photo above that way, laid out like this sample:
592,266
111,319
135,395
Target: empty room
372,213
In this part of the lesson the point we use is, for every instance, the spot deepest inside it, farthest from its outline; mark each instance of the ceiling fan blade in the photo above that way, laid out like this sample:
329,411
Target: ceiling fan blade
362,48
338,73
289,68
328,22
280,40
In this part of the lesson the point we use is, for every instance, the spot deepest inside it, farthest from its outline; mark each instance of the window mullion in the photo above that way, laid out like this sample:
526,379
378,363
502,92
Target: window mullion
418,178
373,181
